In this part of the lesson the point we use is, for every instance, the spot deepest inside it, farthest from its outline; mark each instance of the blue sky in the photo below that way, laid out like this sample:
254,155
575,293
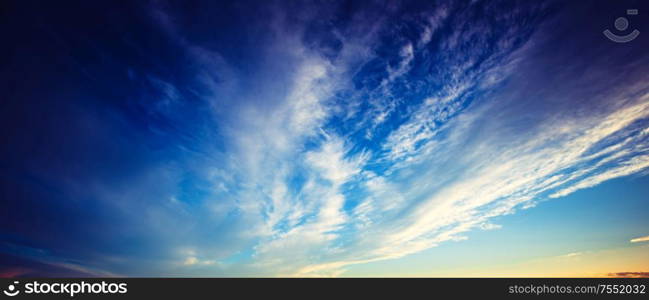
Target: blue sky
248,138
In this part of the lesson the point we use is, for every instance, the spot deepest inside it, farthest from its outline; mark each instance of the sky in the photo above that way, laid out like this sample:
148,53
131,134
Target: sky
323,138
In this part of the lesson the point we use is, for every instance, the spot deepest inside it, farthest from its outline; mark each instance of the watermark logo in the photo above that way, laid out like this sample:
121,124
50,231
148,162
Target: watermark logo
621,24
66,288
12,290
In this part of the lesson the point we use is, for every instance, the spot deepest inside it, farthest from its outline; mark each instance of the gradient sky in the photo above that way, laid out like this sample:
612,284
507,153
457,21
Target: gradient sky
323,138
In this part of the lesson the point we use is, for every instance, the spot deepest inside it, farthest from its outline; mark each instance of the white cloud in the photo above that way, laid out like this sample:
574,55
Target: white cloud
190,261
640,239
490,226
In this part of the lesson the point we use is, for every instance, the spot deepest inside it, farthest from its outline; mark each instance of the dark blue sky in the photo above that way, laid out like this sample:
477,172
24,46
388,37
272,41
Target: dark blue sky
239,138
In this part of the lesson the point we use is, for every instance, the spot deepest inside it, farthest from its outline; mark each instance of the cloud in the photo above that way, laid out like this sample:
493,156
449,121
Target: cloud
490,226
573,254
190,261
640,239
12,266
629,274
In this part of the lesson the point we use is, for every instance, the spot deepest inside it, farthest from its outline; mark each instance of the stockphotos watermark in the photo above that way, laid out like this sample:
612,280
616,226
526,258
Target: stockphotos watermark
70,288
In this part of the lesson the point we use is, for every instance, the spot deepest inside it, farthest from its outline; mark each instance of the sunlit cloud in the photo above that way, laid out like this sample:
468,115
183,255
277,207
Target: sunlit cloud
629,274
640,239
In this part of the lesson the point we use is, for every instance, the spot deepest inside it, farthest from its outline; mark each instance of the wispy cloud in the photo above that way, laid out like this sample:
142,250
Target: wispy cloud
640,239
629,274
